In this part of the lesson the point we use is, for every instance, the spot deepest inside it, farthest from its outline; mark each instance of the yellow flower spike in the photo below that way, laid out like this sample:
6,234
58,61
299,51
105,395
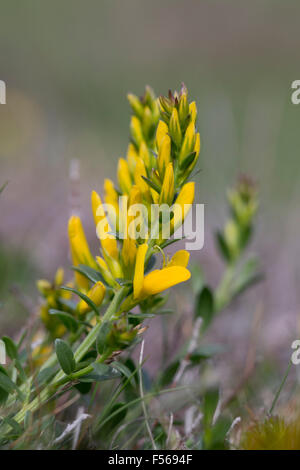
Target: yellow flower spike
174,127
161,279
59,277
161,132
167,191
188,142
103,228
180,258
140,171
105,272
138,279
96,294
145,155
193,111
183,205
136,130
164,155
132,157
124,177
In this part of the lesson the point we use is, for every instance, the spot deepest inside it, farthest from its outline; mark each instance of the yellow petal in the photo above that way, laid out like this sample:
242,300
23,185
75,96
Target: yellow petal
129,251
139,270
124,177
180,258
80,251
183,204
132,156
161,279
103,228
136,130
188,142
167,191
164,155
162,130
140,171
144,154
193,111
96,294
174,128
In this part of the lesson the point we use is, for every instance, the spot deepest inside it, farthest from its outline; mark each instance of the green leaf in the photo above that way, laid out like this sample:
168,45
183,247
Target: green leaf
65,356
7,386
83,297
215,439
205,307
123,369
11,347
68,320
222,246
187,161
100,373
151,184
101,338
90,273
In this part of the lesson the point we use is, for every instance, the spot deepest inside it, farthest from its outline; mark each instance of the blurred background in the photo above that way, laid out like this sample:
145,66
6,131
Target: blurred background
68,65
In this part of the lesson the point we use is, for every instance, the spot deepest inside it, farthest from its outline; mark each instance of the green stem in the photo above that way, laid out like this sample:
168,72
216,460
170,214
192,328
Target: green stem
82,349
280,387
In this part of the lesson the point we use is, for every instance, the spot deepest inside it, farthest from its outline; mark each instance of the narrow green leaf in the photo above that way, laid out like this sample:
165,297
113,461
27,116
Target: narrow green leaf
100,373
68,320
90,273
205,307
10,347
83,297
65,356
151,184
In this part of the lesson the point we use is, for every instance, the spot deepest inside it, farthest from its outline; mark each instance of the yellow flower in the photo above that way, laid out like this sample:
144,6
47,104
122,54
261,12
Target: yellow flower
140,171
132,157
161,132
139,270
167,190
96,294
174,128
80,251
124,177
180,258
164,155
161,279
183,205
108,241
193,111
110,195
188,143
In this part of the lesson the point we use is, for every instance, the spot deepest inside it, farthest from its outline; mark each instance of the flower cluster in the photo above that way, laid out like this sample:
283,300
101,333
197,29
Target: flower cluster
163,150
